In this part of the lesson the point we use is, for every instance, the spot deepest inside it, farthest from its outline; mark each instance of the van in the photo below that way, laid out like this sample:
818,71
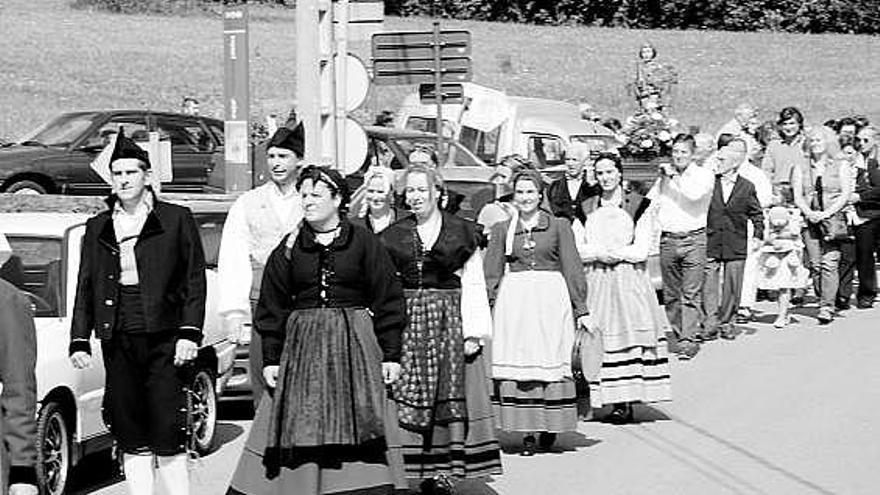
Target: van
493,125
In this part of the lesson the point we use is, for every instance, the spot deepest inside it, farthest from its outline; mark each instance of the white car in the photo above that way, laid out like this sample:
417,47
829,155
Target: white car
44,264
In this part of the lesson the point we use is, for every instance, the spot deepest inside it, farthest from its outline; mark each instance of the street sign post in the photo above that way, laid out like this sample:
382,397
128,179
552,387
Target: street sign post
424,57
236,97
449,93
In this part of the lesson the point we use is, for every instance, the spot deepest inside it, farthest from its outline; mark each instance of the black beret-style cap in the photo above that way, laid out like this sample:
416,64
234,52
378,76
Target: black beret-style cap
126,148
291,140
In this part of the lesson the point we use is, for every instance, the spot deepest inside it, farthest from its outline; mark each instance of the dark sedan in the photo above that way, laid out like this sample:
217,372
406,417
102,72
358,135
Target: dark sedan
55,157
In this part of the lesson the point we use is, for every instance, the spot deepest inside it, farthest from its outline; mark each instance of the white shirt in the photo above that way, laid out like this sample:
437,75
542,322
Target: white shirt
728,180
574,185
683,200
763,187
127,227
256,223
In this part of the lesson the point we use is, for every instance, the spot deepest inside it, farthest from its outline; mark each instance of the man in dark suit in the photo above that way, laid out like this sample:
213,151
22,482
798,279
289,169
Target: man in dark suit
734,203
566,194
141,289
18,401
867,201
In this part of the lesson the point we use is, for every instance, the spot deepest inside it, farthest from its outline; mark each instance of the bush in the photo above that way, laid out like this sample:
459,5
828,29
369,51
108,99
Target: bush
808,16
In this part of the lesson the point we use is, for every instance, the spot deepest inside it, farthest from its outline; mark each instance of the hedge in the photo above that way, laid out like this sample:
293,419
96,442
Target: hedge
810,16
806,16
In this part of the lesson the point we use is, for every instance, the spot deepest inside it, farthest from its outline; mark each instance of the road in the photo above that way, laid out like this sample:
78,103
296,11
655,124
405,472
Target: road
789,411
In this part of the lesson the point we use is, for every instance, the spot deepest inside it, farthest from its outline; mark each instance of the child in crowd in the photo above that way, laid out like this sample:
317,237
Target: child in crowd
782,267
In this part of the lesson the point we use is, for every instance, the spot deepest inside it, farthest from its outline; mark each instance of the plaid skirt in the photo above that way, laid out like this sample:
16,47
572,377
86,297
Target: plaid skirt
431,387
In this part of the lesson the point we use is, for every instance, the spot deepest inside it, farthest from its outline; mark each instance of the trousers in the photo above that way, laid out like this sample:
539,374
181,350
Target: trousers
682,262
721,293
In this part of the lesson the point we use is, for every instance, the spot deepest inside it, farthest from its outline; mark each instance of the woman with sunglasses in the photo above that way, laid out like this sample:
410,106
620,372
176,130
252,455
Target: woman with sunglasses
536,280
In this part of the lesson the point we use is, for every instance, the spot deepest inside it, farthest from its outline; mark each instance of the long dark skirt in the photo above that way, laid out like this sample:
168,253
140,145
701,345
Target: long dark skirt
462,444
328,428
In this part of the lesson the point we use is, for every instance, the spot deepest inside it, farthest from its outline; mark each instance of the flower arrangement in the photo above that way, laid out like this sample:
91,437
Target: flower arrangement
648,134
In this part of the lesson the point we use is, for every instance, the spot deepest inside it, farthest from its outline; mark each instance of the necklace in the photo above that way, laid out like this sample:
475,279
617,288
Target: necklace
334,229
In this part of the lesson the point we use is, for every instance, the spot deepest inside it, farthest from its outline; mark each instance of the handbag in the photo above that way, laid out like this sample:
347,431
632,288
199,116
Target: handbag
835,228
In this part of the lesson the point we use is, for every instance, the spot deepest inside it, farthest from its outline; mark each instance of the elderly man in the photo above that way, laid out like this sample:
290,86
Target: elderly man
256,223
141,288
18,399
566,194
867,201
743,125
682,195
734,205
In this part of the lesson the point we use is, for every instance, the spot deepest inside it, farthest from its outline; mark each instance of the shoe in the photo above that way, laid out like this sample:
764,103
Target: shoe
706,336
687,350
621,414
782,321
824,316
744,315
546,440
729,332
798,298
865,303
529,444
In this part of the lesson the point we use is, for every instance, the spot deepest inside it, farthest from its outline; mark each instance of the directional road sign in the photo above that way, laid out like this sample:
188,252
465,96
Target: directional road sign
419,71
449,93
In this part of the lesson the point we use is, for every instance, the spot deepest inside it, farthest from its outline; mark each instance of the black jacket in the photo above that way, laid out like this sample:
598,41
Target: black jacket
171,272
727,224
868,188
18,403
563,205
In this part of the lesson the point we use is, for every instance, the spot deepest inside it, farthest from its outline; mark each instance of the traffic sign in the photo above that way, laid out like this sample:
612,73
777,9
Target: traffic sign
420,44
355,146
449,93
357,83
417,71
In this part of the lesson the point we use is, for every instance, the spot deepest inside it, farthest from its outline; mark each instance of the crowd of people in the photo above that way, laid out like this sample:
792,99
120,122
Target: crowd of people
394,340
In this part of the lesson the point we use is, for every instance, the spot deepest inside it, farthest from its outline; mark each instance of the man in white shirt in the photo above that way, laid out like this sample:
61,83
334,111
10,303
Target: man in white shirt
257,222
682,194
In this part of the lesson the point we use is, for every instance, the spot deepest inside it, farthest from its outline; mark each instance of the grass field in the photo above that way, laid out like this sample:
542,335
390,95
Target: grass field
56,59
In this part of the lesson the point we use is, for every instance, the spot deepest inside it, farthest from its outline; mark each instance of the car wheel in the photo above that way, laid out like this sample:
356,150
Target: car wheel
203,411
53,449
25,187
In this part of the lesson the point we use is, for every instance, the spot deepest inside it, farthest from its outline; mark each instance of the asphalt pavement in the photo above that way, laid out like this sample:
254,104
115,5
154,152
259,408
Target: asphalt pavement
790,411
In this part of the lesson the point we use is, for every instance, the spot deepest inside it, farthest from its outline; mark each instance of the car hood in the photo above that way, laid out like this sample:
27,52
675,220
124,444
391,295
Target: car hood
15,157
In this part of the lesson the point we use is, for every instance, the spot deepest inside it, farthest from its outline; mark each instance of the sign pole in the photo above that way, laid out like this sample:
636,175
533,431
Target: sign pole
438,91
341,73
236,97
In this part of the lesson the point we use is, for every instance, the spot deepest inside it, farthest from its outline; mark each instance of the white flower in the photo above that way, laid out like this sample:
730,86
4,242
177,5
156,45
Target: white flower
647,143
673,122
657,116
664,135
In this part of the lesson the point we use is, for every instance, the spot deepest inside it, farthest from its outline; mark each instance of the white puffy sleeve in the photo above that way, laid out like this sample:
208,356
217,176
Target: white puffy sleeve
234,271
476,317
587,249
646,230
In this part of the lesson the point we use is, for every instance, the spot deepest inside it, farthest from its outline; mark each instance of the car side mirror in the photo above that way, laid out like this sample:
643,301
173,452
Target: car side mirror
92,145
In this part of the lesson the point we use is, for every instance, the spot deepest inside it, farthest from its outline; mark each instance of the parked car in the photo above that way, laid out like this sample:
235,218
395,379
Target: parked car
55,157
465,174
44,264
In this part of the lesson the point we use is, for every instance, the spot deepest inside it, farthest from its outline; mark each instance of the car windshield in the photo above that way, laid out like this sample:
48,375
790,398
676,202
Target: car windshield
456,155
60,131
35,268
596,143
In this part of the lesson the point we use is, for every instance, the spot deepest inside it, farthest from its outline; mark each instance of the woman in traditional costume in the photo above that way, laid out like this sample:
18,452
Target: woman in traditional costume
448,432
618,234
331,313
537,284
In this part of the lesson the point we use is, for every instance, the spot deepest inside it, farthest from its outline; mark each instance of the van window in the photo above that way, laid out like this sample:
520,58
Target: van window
483,144
429,124
546,151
